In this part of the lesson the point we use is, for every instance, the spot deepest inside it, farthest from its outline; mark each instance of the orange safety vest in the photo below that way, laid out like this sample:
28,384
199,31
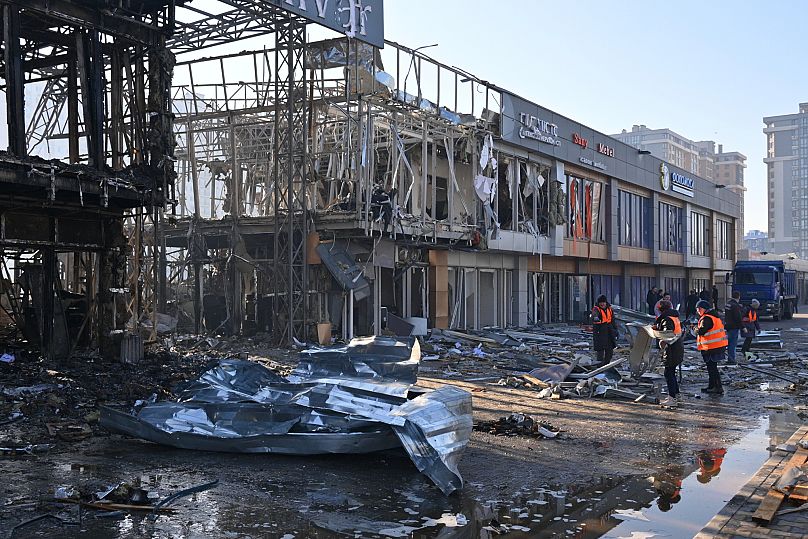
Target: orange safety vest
677,325
715,338
605,315
751,316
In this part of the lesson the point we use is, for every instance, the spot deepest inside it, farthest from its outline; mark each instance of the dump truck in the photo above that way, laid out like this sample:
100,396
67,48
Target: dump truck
768,281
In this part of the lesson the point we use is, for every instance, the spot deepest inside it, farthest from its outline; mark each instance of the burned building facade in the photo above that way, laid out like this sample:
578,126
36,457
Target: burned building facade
88,84
311,188
423,197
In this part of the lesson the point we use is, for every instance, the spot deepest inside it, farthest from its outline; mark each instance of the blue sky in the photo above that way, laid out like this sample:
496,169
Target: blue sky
708,70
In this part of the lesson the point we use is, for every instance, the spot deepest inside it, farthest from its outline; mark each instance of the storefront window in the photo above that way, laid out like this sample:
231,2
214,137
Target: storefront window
586,210
634,220
670,228
724,239
699,234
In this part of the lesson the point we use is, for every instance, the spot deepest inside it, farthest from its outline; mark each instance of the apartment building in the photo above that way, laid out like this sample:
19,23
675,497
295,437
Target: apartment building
787,179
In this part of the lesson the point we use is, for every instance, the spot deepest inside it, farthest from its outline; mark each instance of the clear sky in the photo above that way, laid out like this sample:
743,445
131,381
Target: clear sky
710,70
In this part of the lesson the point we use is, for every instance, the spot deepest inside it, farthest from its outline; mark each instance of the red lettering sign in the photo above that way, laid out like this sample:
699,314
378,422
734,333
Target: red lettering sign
579,140
605,150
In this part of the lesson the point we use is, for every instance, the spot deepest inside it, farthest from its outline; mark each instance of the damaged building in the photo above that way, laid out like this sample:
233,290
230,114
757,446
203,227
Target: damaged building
313,188
91,87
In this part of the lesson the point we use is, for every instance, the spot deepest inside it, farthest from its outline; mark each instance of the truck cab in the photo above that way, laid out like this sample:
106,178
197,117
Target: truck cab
769,282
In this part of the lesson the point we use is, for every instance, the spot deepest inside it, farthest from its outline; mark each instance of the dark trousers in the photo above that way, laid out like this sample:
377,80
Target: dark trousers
670,378
712,372
747,345
605,356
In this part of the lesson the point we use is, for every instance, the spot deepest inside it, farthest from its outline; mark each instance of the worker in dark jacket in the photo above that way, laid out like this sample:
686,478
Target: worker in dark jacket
704,294
711,341
751,326
733,323
672,349
604,330
715,297
651,298
690,303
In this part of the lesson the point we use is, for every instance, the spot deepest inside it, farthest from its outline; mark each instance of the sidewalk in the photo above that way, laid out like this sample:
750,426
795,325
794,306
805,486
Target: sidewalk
735,519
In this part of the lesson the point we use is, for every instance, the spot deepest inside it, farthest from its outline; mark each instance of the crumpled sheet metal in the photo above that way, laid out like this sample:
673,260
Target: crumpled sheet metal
386,365
436,430
353,399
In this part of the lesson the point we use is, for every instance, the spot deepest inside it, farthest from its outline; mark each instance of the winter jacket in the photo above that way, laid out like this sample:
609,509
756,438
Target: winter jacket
690,304
733,315
705,326
750,321
604,335
651,298
673,353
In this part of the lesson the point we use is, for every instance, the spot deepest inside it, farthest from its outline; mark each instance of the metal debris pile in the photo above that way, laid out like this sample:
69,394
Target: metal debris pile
550,359
356,398
518,425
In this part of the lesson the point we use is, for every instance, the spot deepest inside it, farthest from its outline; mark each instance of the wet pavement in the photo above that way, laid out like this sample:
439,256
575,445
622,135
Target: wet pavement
380,495
614,472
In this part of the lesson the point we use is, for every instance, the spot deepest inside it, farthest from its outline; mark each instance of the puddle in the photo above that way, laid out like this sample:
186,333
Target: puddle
282,497
714,477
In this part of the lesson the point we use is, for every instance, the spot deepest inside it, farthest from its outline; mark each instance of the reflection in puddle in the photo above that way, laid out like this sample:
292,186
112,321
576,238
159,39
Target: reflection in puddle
677,501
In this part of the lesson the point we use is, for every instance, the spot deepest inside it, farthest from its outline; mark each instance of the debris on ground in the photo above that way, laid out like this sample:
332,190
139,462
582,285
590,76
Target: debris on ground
518,425
357,398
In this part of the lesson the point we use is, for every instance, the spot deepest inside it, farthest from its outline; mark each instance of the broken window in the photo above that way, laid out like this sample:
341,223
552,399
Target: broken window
634,220
441,194
537,205
586,213
670,228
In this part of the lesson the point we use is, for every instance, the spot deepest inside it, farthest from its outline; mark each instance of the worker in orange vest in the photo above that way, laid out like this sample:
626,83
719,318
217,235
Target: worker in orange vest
712,341
751,326
604,330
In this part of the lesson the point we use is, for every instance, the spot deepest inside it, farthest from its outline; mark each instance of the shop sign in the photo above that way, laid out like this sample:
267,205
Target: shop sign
579,140
674,181
537,129
359,19
682,184
605,150
592,163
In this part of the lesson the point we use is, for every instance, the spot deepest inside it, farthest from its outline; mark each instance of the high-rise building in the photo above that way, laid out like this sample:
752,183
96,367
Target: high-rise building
787,172
728,170
664,144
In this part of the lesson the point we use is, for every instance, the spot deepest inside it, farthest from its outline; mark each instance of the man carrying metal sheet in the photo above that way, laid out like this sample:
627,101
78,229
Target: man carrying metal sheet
672,351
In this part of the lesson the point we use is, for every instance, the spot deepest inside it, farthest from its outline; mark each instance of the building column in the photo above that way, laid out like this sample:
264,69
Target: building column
439,289
612,234
520,291
557,233
655,230
687,236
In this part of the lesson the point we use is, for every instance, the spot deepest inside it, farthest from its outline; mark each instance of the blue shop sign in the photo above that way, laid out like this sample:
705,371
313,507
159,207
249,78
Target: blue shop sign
674,181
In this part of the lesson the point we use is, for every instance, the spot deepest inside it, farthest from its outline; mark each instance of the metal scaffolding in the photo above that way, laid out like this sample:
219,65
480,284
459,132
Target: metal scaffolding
290,180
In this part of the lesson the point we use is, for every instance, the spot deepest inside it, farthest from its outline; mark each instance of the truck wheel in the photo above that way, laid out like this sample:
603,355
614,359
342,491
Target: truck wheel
778,313
788,311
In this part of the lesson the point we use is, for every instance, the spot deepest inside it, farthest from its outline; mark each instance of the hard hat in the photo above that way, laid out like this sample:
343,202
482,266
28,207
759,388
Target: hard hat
755,303
703,305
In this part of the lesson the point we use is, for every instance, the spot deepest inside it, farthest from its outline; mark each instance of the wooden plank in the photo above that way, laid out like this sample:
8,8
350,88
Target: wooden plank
771,502
799,494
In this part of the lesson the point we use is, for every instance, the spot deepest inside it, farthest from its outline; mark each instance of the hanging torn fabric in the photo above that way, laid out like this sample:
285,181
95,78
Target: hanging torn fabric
487,153
484,187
